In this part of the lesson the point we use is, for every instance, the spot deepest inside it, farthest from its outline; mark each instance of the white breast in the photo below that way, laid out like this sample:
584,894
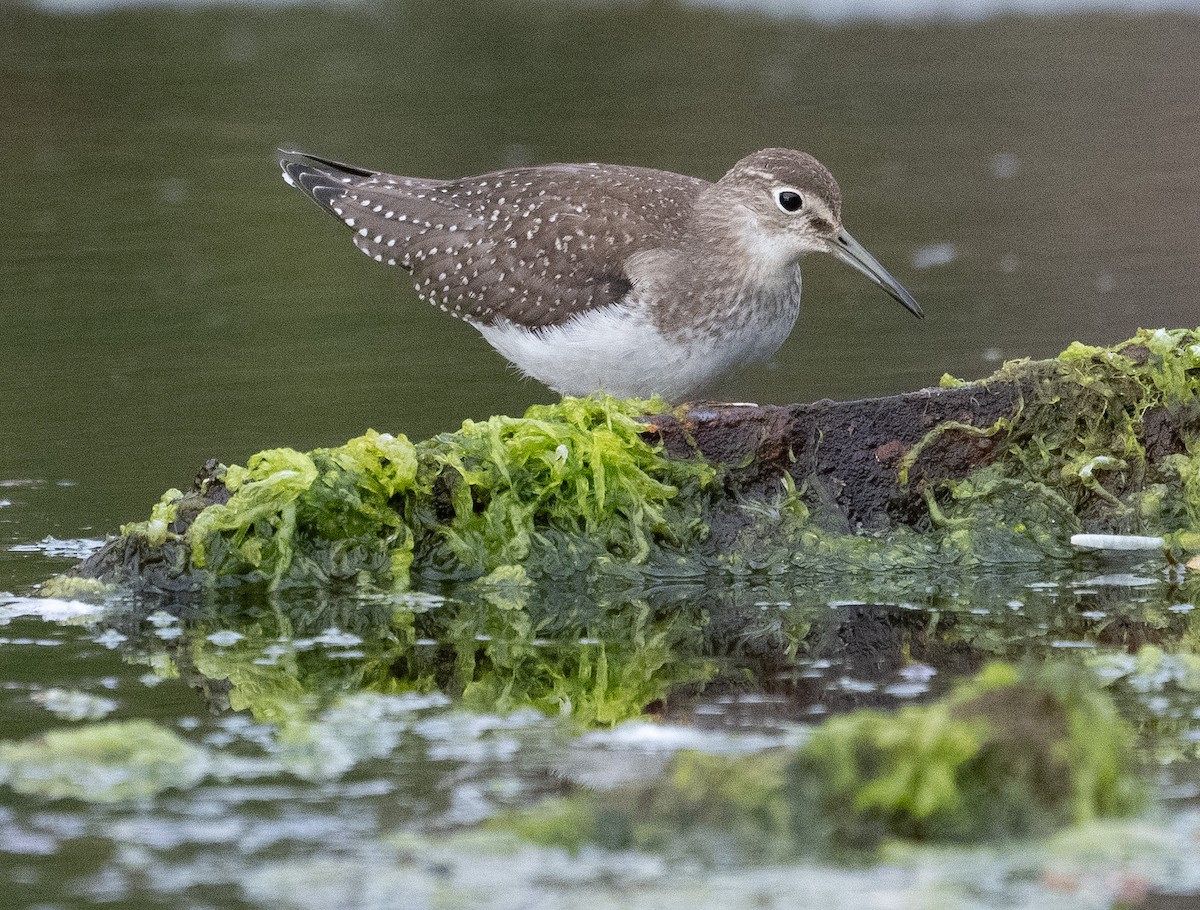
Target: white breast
618,350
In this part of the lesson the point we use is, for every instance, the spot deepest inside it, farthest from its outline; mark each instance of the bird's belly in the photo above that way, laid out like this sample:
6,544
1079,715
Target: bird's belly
620,351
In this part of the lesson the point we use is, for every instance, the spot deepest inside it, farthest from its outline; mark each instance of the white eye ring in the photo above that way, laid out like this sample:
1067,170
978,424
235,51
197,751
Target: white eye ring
788,199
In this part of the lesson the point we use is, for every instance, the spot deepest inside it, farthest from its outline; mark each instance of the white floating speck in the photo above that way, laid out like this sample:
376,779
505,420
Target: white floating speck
1004,165
936,254
110,638
73,704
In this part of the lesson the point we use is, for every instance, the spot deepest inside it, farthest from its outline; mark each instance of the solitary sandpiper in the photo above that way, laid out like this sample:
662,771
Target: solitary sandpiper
605,277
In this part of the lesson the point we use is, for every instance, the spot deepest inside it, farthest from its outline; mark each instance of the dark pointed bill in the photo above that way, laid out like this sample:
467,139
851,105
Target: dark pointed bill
851,252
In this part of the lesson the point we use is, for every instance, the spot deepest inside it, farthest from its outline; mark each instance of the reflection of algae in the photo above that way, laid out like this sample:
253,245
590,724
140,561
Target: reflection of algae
490,652
1005,755
503,643
1103,440
104,762
1146,682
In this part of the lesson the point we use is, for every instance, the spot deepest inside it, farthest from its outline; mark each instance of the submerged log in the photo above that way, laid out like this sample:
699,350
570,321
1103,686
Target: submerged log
1001,470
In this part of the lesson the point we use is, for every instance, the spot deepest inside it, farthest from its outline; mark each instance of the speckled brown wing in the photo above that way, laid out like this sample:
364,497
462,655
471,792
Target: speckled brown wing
534,246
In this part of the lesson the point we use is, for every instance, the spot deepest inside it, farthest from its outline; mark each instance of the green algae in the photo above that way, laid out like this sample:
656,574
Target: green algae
580,470
154,529
73,587
1090,421
103,762
1099,440
1103,441
568,485
324,515
1007,754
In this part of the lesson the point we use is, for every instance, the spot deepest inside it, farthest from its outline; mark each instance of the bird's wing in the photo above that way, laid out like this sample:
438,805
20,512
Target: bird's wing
530,245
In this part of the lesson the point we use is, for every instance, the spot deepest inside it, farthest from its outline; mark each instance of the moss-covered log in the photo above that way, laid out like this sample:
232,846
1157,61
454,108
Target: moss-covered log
997,471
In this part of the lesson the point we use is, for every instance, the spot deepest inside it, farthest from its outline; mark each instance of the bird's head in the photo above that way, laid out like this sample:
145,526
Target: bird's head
789,205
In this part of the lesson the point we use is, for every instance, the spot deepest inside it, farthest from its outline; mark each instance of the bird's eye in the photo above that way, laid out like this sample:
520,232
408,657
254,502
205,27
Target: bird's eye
789,200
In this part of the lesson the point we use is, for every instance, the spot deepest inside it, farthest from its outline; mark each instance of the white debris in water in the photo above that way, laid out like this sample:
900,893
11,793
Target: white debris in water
110,639
1004,165
861,686
331,637
161,619
1085,866
1120,580
474,738
919,10
644,737
647,737
1116,542
936,254
71,548
917,672
225,638
51,609
72,704
360,727
417,601
905,689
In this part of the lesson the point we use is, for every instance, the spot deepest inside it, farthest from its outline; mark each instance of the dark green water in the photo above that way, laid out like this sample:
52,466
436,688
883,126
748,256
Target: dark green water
165,298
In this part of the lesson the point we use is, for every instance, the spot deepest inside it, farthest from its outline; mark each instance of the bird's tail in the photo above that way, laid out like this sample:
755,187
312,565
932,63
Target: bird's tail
320,179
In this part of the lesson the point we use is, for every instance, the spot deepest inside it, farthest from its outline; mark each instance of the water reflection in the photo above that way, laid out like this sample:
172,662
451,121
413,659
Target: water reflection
780,652
329,725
